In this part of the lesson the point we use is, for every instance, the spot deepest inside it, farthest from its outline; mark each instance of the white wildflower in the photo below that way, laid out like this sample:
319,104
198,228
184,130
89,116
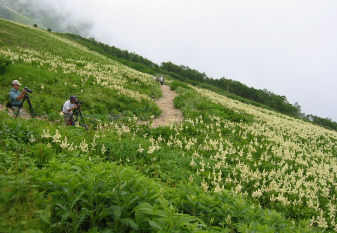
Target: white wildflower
217,188
192,163
56,137
204,185
151,149
140,149
65,143
202,166
84,146
103,149
71,147
46,134
32,139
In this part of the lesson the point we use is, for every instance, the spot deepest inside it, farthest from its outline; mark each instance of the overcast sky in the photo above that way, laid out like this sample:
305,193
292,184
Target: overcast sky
286,46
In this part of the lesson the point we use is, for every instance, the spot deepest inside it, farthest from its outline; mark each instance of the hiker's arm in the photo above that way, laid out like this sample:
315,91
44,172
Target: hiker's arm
21,95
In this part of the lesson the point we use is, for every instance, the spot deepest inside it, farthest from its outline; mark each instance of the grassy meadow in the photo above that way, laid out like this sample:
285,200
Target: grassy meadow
55,68
229,167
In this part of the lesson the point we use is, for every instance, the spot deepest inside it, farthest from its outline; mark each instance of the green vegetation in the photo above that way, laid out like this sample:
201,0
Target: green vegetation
278,103
132,60
229,167
189,75
10,14
106,87
324,122
45,185
227,87
3,64
33,13
25,13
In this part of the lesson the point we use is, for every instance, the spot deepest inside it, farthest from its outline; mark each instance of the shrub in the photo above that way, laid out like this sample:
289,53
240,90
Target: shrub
176,84
4,62
41,153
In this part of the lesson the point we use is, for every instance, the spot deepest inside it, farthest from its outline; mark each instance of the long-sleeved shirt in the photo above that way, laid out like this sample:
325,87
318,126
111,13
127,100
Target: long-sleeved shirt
14,94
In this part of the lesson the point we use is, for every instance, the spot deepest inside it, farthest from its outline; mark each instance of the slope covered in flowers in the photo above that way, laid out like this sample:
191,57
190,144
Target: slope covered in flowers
56,68
277,161
228,167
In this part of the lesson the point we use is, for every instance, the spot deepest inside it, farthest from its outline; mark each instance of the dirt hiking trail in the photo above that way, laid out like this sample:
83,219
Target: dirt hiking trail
23,113
170,113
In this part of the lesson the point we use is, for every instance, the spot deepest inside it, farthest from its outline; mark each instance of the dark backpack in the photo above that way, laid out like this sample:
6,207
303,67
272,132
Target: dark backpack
9,102
9,105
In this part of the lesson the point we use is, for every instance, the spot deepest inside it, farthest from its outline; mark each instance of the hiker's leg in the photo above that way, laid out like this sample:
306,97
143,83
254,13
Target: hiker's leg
15,111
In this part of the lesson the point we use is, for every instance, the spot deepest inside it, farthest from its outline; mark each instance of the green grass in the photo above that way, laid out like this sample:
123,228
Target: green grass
7,13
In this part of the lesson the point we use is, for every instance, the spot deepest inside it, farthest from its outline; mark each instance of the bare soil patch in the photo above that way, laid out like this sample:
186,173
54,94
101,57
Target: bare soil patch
170,113
23,113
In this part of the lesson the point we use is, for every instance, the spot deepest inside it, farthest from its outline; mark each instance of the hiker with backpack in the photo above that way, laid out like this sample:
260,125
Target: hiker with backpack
161,80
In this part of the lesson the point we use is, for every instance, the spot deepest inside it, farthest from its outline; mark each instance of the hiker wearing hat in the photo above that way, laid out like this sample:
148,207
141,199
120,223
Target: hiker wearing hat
15,96
68,108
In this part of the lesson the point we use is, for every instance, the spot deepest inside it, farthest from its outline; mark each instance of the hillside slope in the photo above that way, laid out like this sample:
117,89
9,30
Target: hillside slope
10,14
55,69
230,88
29,13
228,167
42,14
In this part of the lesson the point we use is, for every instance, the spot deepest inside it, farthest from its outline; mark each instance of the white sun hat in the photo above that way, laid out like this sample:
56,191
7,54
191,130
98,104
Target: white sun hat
16,82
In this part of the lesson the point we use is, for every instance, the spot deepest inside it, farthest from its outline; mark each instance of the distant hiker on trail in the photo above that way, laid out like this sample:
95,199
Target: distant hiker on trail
15,97
161,80
68,108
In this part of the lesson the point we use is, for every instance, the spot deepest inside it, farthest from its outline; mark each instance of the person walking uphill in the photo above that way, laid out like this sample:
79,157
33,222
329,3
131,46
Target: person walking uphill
161,80
68,108
16,96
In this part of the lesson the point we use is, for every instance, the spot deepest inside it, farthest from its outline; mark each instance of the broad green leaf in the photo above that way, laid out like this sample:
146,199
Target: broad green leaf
130,222
184,220
156,225
73,203
33,231
117,211
144,208
160,213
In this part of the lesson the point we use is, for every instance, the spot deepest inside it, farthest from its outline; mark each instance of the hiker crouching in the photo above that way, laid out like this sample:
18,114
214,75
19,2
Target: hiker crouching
16,96
68,108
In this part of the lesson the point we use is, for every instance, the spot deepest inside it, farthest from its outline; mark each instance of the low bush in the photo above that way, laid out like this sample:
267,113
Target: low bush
4,62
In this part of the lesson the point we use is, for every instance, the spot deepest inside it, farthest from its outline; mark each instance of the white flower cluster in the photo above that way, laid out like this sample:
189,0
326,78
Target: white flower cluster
57,140
110,74
293,160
